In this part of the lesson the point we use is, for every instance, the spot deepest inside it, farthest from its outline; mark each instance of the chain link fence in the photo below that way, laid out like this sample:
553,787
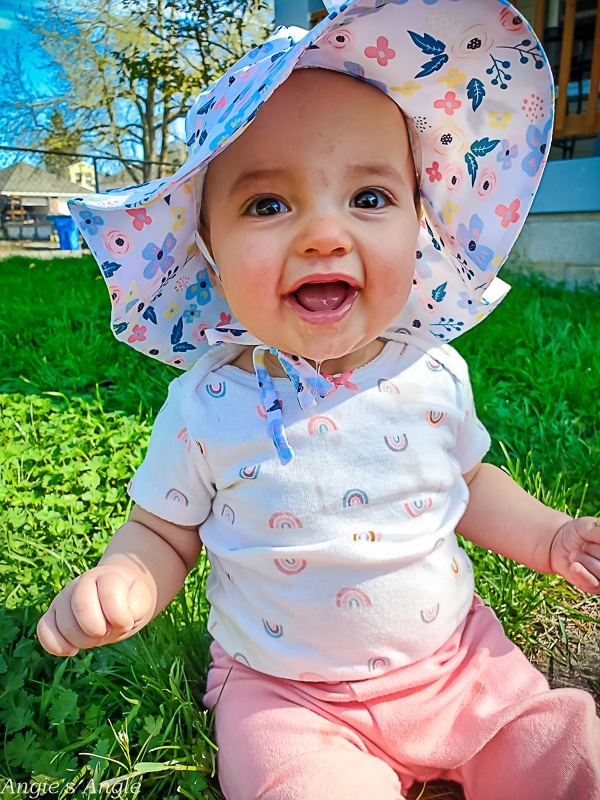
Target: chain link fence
36,184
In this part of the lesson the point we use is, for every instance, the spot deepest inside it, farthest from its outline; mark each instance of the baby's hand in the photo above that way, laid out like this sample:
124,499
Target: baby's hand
101,606
575,553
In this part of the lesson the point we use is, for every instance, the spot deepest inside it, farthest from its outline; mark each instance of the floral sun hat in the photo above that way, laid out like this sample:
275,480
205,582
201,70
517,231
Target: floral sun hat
474,83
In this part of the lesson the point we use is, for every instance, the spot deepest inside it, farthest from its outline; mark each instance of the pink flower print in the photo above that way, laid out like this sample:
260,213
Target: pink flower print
138,334
509,213
507,153
140,217
176,361
159,258
453,176
115,291
382,51
116,242
428,304
339,39
510,20
198,334
487,182
449,103
224,319
434,172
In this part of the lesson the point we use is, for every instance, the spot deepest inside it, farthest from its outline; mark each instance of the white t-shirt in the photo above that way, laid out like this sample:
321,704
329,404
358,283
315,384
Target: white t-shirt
344,563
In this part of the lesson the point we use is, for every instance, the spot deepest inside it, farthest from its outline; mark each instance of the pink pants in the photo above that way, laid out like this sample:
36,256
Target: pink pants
476,712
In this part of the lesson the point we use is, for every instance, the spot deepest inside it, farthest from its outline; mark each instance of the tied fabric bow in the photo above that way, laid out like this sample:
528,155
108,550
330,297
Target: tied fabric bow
306,380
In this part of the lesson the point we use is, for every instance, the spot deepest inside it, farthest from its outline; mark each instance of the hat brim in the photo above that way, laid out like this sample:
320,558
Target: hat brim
478,92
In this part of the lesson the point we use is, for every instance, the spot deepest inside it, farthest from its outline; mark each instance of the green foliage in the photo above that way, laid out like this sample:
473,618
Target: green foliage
57,338
76,409
534,366
64,468
124,720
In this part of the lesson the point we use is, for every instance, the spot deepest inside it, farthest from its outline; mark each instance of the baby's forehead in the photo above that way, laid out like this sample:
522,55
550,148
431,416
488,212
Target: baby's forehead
316,121
316,101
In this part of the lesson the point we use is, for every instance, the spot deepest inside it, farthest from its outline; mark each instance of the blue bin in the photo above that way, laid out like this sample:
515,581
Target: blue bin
68,235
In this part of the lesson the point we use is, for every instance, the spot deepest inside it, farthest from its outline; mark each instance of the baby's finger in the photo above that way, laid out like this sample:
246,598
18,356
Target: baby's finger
584,578
141,602
591,531
51,638
84,612
113,592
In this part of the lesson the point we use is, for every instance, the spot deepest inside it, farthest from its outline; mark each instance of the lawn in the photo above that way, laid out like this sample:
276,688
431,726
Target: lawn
76,412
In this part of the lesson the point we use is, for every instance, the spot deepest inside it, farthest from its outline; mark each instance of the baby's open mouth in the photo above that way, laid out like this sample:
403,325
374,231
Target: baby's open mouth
322,296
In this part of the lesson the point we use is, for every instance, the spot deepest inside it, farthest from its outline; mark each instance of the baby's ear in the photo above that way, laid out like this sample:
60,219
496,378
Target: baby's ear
418,204
216,282
210,262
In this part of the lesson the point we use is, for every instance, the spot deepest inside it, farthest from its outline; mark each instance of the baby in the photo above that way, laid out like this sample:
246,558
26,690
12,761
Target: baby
327,455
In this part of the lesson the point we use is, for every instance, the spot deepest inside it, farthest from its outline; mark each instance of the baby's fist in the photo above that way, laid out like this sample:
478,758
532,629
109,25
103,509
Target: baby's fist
104,605
575,553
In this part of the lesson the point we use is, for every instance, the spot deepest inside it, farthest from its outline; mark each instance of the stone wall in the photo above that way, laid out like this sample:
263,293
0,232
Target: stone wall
563,247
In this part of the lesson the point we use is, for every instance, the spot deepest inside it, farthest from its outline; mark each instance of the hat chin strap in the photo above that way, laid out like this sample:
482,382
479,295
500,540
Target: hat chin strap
207,256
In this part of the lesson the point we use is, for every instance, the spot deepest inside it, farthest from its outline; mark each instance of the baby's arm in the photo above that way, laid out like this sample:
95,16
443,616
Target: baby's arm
142,569
502,517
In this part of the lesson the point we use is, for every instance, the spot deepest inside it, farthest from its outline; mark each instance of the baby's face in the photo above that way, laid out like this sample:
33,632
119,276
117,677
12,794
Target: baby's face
311,220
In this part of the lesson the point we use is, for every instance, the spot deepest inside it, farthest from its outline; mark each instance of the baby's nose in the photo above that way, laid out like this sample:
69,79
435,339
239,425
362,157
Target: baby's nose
325,233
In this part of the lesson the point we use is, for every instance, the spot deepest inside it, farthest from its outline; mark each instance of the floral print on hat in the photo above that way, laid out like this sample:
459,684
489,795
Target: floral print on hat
477,92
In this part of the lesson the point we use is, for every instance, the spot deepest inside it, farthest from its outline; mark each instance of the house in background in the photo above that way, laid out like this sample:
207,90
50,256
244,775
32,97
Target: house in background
28,195
561,236
83,174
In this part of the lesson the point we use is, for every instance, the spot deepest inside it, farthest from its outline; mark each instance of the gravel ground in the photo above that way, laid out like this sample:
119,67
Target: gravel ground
33,249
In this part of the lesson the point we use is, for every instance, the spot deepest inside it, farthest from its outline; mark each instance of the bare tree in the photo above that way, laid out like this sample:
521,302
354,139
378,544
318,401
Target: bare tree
121,73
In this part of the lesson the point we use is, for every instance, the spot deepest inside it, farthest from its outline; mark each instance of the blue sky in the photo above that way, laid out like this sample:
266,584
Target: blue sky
14,34
10,28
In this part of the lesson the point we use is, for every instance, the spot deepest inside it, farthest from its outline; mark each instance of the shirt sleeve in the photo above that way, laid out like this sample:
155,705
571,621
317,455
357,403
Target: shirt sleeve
472,441
174,481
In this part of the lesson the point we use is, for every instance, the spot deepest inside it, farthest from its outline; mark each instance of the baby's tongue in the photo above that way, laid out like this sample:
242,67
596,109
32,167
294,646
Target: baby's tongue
322,296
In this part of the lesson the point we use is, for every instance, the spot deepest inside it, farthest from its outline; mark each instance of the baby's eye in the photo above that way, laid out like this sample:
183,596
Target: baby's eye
370,198
266,207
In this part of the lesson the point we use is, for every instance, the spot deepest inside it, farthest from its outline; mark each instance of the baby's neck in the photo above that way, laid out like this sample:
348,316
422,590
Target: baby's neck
333,366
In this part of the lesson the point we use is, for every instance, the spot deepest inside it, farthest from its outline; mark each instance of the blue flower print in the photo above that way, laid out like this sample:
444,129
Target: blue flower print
466,301
469,241
89,222
424,258
260,51
229,128
158,256
507,153
537,140
201,289
192,313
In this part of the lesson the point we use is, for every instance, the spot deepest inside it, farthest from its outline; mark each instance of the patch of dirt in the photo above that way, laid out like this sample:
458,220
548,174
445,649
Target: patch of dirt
34,249
576,661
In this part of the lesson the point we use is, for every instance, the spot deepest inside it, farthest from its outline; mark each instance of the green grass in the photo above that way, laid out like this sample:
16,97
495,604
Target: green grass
76,409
